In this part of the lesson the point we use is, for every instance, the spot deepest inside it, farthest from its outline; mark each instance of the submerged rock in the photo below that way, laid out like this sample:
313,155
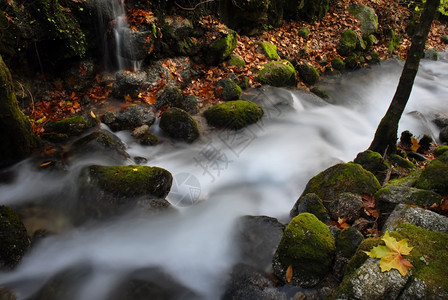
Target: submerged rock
233,114
308,247
277,73
14,240
177,123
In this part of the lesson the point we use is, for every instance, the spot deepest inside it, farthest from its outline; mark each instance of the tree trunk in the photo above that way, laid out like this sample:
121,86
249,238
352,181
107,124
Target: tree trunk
17,139
385,140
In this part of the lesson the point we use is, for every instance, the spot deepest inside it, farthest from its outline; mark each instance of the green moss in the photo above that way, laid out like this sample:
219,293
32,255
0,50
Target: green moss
304,32
367,17
445,39
440,151
227,89
17,138
408,180
347,43
394,41
221,49
347,242
308,246
233,114
312,204
270,50
177,123
429,257
340,178
338,64
132,180
402,162
308,73
236,60
434,177
149,139
14,241
373,162
277,73
71,126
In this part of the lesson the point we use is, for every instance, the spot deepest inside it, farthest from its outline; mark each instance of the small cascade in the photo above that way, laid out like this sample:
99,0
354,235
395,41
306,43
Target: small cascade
115,36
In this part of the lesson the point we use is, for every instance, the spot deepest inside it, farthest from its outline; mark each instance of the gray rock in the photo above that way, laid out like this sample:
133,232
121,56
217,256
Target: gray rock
170,96
178,124
367,17
417,216
257,238
346,205
443,135
347,242
128,83
130,118
388,197
311,203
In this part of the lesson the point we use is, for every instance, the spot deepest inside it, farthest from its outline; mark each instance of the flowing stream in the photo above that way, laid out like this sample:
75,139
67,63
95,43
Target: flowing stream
259,170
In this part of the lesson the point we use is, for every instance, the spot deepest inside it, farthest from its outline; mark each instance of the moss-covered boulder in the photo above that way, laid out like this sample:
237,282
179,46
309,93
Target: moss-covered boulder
373,162
304,32
277,73
221,47
270,50
14,240
338,64
178,124
367,18
427,279
169,96
399,161
307,247
308,73
340,178
434,177
347,242
17,138
347,43
311,203
236,60
388,197
442,150
109,190
233,114
71,126
227,89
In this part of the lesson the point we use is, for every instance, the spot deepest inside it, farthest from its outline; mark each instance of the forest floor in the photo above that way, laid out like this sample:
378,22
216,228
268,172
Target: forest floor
318,49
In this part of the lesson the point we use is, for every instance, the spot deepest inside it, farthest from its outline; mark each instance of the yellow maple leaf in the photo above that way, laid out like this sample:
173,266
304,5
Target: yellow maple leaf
415,144
391,254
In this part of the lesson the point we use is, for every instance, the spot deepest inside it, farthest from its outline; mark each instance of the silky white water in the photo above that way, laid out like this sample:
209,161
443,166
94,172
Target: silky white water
260,170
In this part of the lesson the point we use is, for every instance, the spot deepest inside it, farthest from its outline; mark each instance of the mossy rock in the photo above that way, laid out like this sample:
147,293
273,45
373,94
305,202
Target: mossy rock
444,39
373,162
178,124
388,197
233,114
278,73
304,32
18,140
236,60
427,279
347,43
340,178
367,18
434,177
221,48
308,73
227,89
347,243
401,162
132,180
169,96
14,240
148,139
270,50
431,54
308,247
312,204
442,150
338,64
71,126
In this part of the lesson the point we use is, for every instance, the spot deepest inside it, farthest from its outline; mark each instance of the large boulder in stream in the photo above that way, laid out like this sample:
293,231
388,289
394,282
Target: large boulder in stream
306,250
233,114
277,73
427,279
108,190
341,179
14,240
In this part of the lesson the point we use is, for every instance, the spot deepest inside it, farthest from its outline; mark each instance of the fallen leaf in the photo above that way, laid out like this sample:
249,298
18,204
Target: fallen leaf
289,272
390,255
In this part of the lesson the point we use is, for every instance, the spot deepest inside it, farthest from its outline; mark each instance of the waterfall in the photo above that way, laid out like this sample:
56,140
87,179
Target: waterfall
115,36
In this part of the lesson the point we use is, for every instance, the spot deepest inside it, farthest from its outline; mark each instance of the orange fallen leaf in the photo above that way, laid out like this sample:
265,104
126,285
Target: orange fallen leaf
289,273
